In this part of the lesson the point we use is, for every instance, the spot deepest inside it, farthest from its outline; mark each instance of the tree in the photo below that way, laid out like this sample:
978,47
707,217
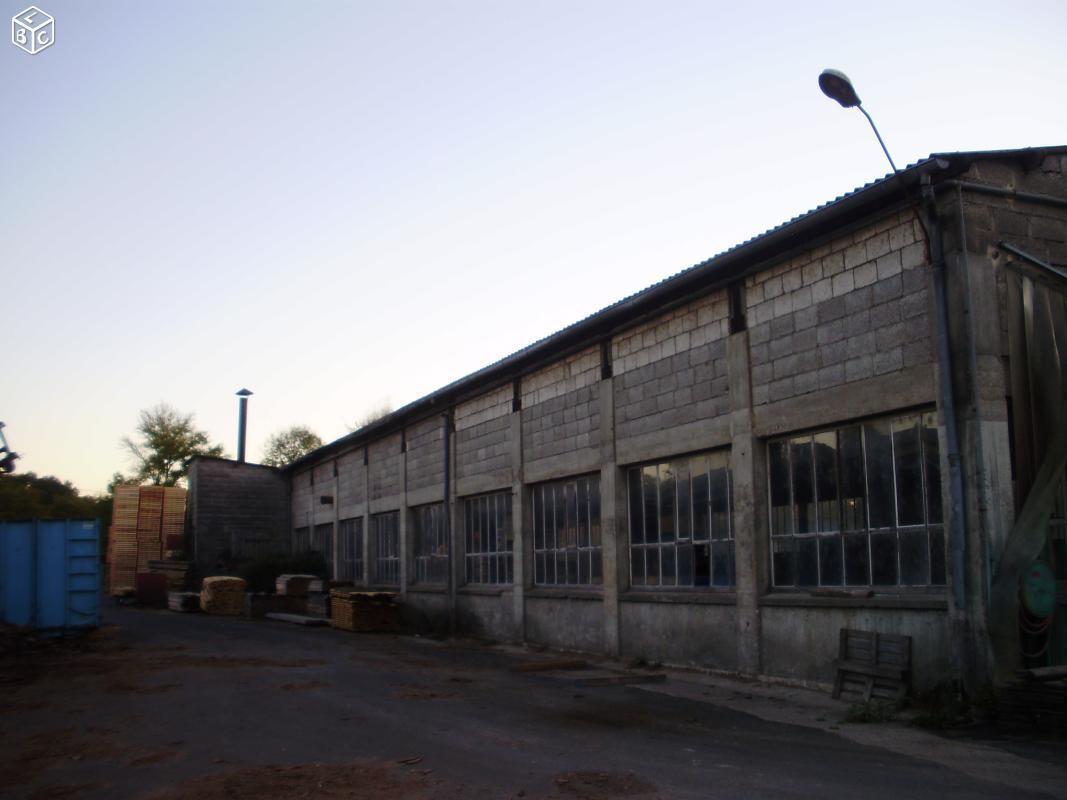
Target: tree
285,447
168,441
25,496
383,409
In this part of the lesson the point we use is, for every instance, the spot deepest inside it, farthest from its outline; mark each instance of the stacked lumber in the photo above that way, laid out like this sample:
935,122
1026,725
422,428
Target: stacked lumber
172,521
293,585
1034,706
223,595
122,539
183,601
364,612
144,519
175,571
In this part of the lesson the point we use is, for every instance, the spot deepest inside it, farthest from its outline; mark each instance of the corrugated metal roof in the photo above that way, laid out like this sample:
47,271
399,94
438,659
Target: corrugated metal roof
879,190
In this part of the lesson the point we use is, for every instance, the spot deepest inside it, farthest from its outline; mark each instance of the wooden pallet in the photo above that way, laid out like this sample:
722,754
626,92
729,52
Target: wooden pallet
872,666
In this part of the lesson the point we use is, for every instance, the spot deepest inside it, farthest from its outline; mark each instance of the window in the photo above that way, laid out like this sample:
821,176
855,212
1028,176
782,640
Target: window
431,543
322,543
301,540
566,522
488,538
858,506
681,522
385,537
350,546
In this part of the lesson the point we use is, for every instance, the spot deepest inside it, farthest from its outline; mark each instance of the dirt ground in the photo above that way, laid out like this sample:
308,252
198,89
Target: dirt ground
164,706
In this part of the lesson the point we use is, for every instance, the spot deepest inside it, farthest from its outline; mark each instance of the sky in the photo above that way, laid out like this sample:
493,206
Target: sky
344,204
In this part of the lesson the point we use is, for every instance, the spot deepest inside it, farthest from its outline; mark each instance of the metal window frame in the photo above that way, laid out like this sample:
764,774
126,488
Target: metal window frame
593,483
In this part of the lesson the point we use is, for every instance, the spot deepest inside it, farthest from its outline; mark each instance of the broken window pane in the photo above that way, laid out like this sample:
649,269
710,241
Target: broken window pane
914,558
852,480
650,483
782,561
825,445
857,559
807,561
831,560
932,463
666,503
909,473
803,485
879,444
781,509
702,565
884,559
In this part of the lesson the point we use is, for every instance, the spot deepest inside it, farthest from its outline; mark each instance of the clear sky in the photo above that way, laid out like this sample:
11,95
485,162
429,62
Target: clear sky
337,204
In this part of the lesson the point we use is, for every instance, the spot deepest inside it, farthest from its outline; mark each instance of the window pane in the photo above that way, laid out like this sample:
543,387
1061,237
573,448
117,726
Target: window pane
937,556
698,471
883,559
598,569
722,563
831,562
652,566
719,485
853,485
583,513
932,461
803,485
594,512
914,558
666,502
782,561
650,484
685,505
539,568
637,566
826,480
857,560
702,565
781,511
570,496
668,564
637,516
685,565
539,517
909,474
878,442
807,561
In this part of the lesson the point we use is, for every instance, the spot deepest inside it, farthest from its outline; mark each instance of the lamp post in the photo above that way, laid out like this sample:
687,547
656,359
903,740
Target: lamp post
837,86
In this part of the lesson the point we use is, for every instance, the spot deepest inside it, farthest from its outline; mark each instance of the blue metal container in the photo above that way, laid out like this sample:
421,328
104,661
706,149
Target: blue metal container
50,574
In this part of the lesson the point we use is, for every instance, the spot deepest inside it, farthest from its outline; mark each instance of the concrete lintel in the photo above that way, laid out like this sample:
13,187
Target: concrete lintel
563,466
704,434
483,484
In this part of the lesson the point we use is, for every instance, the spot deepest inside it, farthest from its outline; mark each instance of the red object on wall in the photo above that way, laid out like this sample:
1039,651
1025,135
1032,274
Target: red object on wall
152,589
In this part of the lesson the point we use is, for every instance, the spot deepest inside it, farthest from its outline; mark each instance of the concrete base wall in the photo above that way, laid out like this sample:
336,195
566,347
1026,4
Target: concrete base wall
485,616
566,624
679,633
802,643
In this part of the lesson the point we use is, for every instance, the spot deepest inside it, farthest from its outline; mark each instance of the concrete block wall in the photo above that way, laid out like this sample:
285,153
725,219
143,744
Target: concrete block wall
351,484
483,442
670,375
425,459
561,415
235,511
854,309
383,467
300,502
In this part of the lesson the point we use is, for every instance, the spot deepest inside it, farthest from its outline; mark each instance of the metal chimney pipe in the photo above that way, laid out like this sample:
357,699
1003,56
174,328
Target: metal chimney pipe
242,423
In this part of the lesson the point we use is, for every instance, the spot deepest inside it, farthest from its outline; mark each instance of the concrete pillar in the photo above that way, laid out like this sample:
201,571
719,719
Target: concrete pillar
406,548
747,471
368,571
456,542
613,533
523,543
335,539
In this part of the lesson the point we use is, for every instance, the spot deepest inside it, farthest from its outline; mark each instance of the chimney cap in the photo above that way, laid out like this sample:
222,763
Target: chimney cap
244,393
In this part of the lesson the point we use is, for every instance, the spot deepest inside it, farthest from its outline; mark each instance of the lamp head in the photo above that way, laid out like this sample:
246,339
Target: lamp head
837,86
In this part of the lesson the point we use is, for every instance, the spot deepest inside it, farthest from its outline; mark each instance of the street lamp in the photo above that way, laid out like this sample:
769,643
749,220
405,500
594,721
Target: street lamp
837,86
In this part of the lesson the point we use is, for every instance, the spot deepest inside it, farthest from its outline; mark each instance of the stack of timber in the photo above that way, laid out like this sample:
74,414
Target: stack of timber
175,572
1036,703
122,541
364,612
224,596
144,518
183,601
293,585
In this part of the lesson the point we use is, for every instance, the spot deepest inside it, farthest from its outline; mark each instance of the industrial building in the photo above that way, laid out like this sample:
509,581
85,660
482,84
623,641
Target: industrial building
853,420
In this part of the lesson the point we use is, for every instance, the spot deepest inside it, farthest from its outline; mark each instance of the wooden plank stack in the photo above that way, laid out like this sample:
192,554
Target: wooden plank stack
174,570
1034,706
223,595
183,601
872,666
293,585
364,612
144,518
